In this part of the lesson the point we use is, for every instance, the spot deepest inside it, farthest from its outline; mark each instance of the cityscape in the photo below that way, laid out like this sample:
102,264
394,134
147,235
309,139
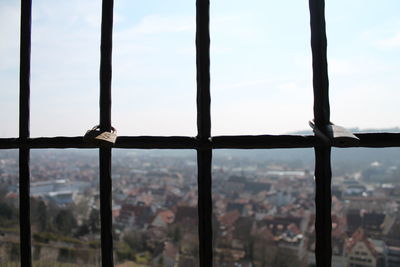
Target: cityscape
256,64
263,208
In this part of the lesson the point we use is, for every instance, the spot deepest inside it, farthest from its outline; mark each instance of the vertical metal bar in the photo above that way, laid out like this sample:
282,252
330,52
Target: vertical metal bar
25,68
105,125
105,64
323,222
323,175
24,177
105,207
24,208
204,157
203,69
320,65
204,206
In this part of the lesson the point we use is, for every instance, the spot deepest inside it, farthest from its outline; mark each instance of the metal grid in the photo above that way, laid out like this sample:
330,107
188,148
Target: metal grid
203,143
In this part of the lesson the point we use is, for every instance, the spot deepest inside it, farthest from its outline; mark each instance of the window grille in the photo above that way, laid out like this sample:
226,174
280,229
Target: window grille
203,142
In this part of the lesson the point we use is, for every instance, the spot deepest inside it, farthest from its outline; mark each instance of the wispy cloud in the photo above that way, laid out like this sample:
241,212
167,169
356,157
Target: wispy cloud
385,36
9,36
390,42
368,66
156,24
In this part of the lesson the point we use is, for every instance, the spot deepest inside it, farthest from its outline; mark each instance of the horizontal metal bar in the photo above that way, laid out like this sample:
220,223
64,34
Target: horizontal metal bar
185,142
143,142
263,141
378,140
172,142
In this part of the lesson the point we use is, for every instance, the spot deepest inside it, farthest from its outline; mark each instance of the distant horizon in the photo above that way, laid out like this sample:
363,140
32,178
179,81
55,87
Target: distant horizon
393,129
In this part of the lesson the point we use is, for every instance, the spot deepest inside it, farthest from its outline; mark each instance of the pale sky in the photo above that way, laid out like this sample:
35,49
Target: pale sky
261,79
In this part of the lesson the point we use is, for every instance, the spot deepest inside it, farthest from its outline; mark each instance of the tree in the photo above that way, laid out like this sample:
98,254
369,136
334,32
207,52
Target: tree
65,221
82,230
175,233
94,221
6,211
8,215
286,258
136,240
41,216
14,252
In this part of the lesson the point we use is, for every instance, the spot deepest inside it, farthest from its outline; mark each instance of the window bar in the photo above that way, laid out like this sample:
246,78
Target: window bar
24,83
217,142
323,175
105,125
204,156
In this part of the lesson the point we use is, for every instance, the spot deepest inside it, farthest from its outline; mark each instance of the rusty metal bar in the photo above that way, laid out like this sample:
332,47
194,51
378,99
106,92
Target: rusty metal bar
24,112
184,142
319,63
323,175
24,208
204,156
204,204
323,199
203,69
105,125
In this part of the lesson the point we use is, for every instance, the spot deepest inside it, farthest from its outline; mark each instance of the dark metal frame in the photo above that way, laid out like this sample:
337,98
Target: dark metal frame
203,143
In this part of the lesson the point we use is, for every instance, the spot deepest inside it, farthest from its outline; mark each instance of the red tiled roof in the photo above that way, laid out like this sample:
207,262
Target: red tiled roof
359,236
229,218
167,216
